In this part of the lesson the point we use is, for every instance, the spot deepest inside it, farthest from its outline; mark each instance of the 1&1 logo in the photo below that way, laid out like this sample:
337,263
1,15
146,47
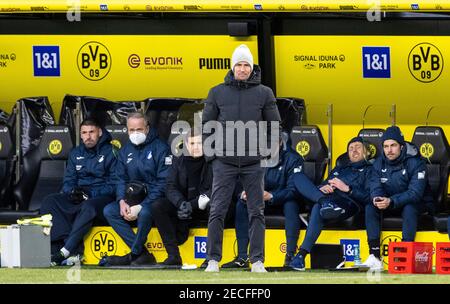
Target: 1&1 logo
94,61
46,61
376,62
425,62
103,243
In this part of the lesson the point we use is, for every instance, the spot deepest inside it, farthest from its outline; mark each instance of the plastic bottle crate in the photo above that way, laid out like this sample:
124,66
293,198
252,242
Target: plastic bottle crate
443,257
410,257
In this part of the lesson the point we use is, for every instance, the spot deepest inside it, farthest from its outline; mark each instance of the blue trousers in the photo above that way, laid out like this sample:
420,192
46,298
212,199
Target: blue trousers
72,221
308,190
291,210
409,213
123,228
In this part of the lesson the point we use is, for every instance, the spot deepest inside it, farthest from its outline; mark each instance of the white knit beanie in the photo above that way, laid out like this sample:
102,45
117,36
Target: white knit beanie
242,53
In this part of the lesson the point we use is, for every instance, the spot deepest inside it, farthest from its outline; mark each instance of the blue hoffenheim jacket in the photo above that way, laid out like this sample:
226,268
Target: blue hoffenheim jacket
276,179
147,163
357,176
404,180
93,169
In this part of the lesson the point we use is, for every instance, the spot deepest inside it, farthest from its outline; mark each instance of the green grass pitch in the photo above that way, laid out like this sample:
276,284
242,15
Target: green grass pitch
94,275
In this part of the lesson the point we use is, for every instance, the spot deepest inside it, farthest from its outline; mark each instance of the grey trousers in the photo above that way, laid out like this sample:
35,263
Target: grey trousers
225,177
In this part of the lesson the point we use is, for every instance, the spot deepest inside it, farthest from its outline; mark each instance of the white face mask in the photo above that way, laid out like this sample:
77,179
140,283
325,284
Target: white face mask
137,138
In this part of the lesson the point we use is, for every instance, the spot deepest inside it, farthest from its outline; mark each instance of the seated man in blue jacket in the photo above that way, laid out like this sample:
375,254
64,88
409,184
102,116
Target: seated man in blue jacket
398,186
340,196
88,187
144,161
277,195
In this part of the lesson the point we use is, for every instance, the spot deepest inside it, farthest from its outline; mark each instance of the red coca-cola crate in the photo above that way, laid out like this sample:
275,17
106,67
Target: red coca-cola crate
443,257
410,257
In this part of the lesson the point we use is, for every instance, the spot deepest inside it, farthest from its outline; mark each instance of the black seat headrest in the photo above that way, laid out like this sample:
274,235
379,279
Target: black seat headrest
292,112
6,144
432,144
119,134
309,143
373,138
163,112
56,143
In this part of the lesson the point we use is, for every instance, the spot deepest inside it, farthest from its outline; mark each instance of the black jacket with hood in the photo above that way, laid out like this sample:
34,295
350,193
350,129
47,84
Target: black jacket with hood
239,101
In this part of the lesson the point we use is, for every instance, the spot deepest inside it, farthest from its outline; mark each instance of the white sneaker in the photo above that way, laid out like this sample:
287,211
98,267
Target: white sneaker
72,260
258,267
373,263
213,266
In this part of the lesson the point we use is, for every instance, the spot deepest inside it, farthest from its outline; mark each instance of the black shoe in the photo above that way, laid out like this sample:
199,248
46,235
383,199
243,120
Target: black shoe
288,259
173,260
118,260
145,258
57,259
237,263
204,264
330,211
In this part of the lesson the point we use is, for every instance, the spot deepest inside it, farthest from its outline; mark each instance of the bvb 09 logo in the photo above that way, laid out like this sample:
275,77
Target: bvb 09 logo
116,143
94,61
425,62
372,150
103,244
427,150
55,147
303,148
385,247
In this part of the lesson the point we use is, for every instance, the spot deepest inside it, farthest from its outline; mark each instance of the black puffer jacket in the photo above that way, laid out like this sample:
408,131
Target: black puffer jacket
245,101
177,182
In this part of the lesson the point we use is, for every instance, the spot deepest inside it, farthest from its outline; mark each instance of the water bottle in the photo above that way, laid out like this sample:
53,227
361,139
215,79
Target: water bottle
356,258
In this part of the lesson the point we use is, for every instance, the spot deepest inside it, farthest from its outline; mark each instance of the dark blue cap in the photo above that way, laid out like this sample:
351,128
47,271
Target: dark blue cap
393,133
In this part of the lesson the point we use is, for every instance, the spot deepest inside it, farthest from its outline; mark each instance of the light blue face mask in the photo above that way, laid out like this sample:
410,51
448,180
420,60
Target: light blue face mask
137,138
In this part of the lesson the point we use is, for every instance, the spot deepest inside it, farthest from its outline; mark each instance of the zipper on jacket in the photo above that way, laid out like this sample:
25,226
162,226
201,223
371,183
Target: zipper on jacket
239,107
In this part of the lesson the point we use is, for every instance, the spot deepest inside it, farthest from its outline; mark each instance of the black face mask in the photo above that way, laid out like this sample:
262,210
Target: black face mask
135,193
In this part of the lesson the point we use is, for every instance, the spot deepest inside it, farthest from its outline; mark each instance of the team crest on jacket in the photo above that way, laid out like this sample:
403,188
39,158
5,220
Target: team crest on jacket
298,169
383,180
78,167
168,160
421,175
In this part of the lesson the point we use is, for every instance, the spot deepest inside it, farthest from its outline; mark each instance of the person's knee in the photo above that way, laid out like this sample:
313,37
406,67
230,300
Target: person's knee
88,210
49,203
146,212
371,210
110,211
46,206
